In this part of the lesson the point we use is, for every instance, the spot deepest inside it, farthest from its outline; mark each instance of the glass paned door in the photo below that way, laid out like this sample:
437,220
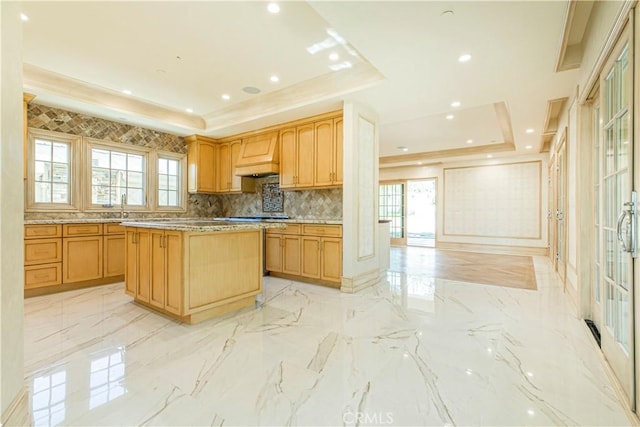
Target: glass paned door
392,208
615,171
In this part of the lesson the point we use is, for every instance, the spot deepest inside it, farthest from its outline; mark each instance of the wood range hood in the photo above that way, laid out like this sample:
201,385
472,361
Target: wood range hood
259,156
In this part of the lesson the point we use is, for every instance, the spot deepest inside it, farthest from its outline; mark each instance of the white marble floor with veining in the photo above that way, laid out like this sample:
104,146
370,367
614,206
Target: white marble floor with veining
412,350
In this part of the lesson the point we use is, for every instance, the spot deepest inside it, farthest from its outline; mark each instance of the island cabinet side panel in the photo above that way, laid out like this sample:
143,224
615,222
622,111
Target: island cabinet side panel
222,267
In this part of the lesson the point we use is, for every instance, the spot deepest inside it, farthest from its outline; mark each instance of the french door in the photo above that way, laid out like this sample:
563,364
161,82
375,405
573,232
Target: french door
392,205
617,214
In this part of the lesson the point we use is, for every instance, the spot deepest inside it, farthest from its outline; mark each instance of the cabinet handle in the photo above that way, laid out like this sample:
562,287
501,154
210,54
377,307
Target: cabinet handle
161,241
133,238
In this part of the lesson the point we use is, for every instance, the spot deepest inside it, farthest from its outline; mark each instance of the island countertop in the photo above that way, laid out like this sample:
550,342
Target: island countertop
204,226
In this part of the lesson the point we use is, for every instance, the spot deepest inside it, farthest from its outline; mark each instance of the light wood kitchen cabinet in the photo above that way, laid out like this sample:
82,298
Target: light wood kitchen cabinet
113,262
81,259
69,256
166,270
311,252
138,263
201,164
227,181
328,154
297,146
283,253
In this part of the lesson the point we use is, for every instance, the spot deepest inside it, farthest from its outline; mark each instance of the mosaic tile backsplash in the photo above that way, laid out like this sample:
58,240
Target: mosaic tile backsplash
58,120
303,204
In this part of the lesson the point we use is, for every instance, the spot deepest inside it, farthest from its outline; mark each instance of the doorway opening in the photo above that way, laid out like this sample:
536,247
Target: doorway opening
421,213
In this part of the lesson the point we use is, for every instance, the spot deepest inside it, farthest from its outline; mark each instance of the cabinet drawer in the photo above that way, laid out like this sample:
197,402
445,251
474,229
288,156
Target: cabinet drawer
73,230
291,229
42,251
322,230
42,231
113,228
36,276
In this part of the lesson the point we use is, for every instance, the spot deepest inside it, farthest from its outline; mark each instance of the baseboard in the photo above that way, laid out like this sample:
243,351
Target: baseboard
362,281
493,249
305,279
17,413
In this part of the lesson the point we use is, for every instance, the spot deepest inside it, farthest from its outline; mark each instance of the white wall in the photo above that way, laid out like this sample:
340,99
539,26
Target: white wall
360,199
514,217
11,194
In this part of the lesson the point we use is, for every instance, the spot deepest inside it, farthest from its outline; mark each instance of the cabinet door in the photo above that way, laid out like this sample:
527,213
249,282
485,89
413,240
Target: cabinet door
291,254
338,148
223,162
157,269
234,150
306,151
173,271
331,263
206,167
143,241
288,158
131,264
324,153
273,244
114,257
311,257
81,259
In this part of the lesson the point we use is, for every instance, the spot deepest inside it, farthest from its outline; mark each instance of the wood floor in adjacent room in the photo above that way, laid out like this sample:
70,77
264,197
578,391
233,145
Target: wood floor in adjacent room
512,271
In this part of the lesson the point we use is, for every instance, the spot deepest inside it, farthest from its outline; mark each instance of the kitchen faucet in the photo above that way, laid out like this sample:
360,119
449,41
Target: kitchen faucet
123,202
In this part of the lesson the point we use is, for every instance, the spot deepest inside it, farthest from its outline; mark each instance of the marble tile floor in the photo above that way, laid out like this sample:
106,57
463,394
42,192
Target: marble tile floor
412,350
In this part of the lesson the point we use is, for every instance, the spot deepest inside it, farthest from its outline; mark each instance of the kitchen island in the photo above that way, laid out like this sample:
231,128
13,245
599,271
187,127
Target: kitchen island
194,270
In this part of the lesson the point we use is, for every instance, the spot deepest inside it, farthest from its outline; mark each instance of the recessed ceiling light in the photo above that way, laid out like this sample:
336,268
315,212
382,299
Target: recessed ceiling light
529,147
340,66
274,79
226,97
251,89
464,58
449,117
456,104
273,8
489,156
402,148
530,130
189,110
334,56
469,141
126,91
24,17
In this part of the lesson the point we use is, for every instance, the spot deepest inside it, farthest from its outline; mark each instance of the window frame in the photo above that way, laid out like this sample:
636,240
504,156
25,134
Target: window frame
149,169
182,181
75,179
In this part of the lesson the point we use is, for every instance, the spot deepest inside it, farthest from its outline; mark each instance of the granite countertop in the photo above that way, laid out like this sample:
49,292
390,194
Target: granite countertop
203,226
132,221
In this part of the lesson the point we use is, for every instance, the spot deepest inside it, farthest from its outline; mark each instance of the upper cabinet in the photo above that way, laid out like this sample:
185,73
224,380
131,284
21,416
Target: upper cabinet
306,153
201,160
311,155
228,181
211,166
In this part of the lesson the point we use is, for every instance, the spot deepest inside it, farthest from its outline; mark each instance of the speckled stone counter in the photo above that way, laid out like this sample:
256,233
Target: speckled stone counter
204,226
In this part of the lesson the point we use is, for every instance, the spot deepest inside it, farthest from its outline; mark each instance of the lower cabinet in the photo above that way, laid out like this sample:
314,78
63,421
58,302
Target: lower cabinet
81,259
68,256
166,270
302,250
154,267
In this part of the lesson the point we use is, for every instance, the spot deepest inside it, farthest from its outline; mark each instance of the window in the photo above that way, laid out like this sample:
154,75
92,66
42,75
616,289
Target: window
51,173
170,184
117,174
